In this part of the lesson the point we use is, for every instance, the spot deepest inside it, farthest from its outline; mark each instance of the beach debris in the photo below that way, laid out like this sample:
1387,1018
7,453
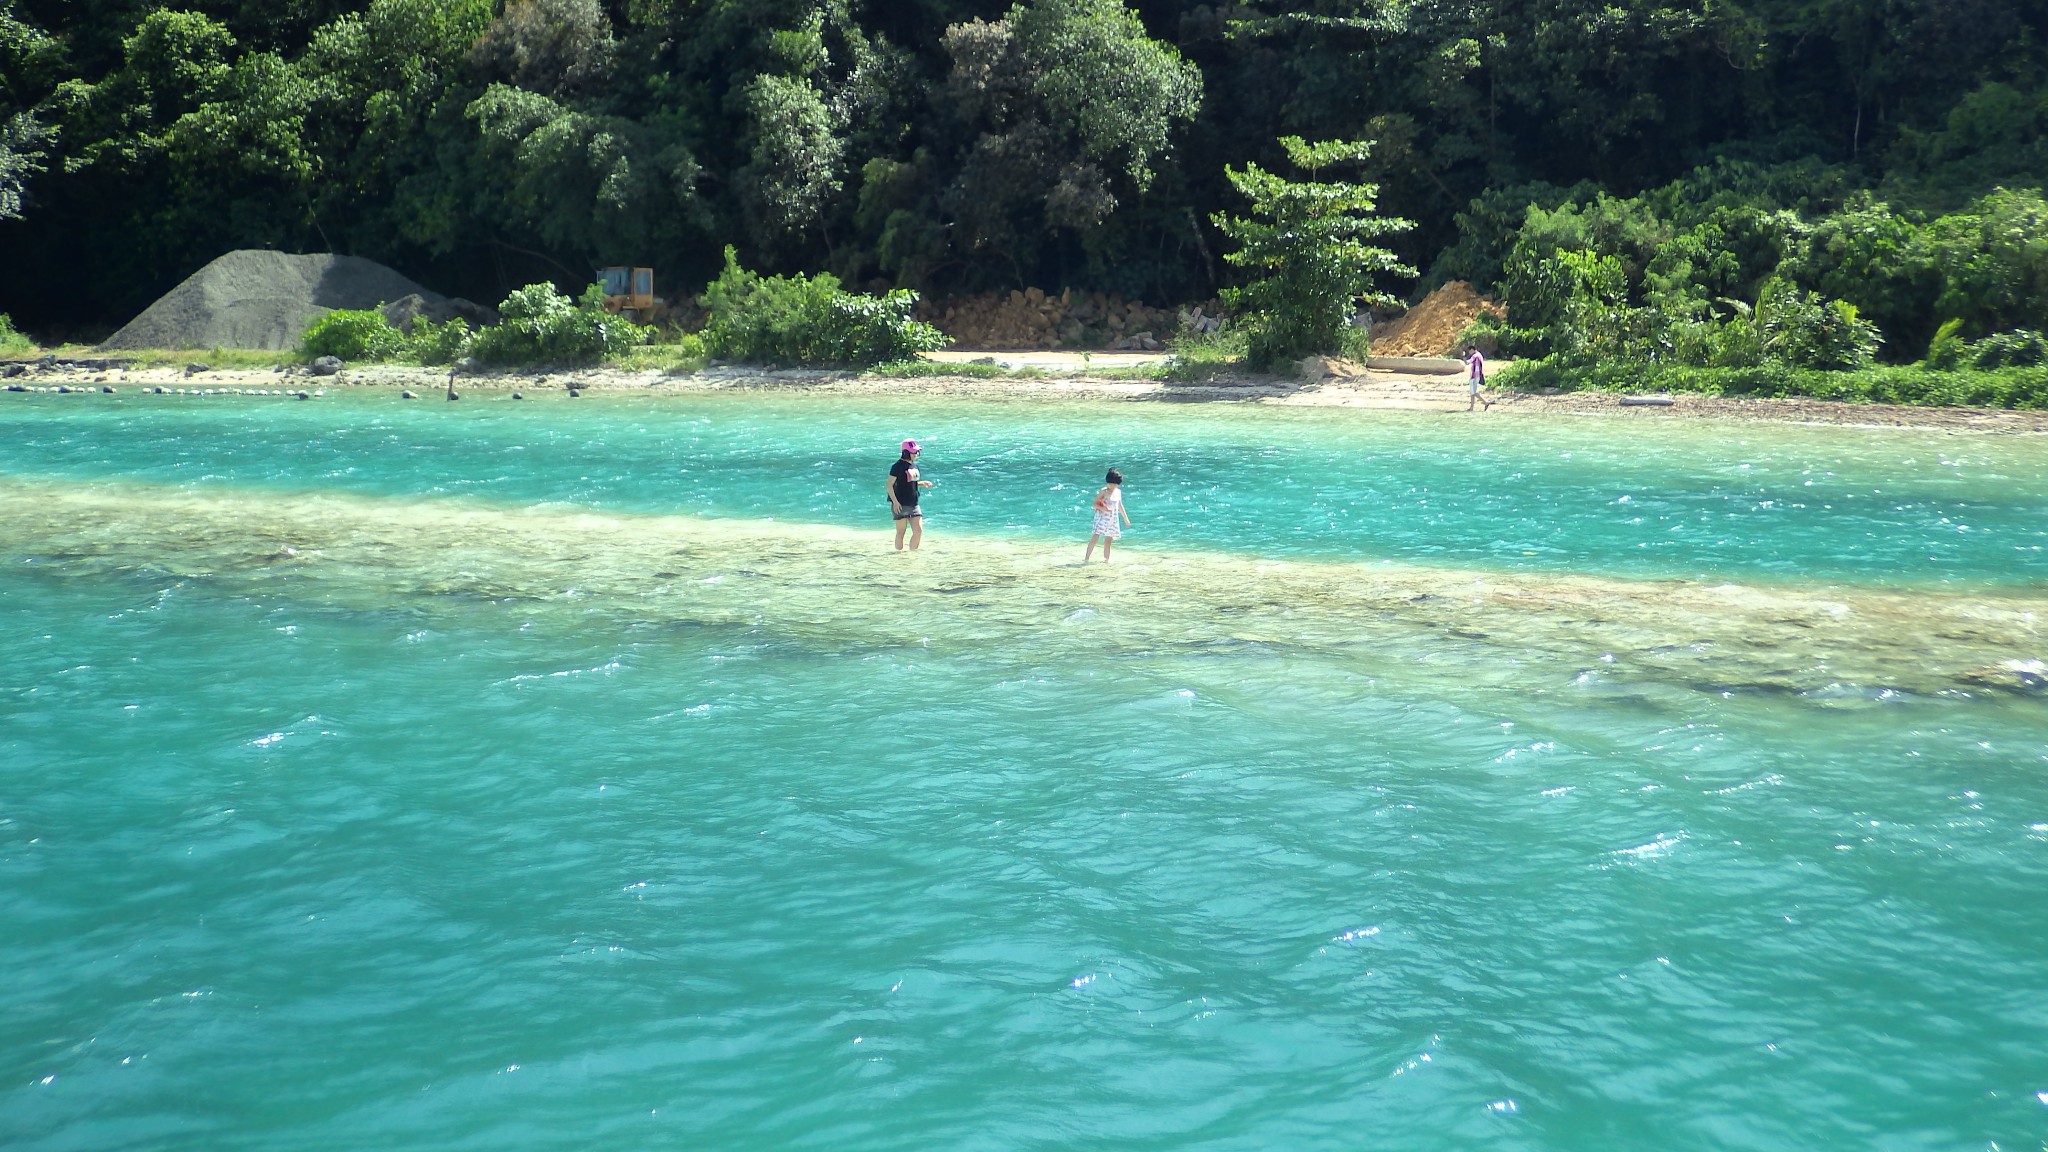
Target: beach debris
1645,401
326,365
407,395
518,396
1433,326
195,368
258,298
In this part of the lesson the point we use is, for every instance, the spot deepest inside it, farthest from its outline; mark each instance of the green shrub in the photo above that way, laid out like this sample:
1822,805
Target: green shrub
1200,356
541,326
12,343
809,321
1733,342
1485,332
353,335
1806,331
1946,350
2021,348
930,369
1880,384
432,343
676,353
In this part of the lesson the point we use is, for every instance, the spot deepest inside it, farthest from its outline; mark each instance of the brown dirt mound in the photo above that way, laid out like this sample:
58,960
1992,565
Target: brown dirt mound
1431,328
254,298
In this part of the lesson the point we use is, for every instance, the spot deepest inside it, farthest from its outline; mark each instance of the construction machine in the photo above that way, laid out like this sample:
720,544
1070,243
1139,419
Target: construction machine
629,292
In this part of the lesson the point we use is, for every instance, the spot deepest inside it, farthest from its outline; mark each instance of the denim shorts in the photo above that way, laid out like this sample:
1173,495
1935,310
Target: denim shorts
910,513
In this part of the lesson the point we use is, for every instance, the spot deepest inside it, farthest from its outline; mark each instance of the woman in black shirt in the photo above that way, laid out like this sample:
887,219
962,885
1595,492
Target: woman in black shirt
904,489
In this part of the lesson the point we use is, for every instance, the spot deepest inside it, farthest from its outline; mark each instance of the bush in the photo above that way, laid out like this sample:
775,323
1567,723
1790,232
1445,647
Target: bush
367,335
1946,350
353,335
432,343
2020,348
1734,342
809,321
675,353
1201,356
1806,331
1486,333
12,343
542,326
2023,348
1880,384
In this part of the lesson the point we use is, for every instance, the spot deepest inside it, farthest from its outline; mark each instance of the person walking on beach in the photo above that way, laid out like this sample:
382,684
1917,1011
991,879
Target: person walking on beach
1109,505
905,485
1476,361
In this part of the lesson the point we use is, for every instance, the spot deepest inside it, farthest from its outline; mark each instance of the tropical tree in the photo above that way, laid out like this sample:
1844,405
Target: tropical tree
1307,246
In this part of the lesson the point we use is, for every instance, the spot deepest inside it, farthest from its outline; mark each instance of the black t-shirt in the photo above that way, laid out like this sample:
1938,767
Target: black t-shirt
906,488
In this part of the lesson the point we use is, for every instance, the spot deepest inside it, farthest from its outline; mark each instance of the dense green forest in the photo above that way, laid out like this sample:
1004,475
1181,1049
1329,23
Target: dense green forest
1713,182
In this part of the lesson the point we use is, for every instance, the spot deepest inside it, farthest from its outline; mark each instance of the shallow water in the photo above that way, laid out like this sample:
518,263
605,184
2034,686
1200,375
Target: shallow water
1639,498
531,775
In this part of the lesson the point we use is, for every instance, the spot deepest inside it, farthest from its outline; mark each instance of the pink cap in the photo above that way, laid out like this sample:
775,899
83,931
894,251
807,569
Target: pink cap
910,446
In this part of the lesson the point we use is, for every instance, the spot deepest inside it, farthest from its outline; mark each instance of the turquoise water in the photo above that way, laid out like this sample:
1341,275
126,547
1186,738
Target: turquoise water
1638,499
542,775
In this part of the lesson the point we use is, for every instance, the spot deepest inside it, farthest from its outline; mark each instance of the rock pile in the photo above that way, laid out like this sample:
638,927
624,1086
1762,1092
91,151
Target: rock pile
255,298
1432,327
1030,319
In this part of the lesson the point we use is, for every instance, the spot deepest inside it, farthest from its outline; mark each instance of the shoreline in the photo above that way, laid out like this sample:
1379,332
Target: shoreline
1372,389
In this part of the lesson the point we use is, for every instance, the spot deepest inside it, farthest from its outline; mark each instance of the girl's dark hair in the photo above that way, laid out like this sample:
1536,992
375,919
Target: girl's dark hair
1114,477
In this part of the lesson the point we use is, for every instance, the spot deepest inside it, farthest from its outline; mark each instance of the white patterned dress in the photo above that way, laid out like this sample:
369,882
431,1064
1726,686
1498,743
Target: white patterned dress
1108,506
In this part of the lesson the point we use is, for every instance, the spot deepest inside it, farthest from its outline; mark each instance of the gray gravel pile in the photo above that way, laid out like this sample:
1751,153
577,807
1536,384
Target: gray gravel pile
256,298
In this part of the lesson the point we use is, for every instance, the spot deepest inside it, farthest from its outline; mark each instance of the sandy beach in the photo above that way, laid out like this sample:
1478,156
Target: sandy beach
1365,390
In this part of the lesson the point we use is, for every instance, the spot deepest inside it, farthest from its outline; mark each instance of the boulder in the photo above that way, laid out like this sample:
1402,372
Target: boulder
403,311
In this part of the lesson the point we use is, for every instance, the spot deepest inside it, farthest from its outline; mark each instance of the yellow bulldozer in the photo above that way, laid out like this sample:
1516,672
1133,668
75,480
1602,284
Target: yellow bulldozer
629,292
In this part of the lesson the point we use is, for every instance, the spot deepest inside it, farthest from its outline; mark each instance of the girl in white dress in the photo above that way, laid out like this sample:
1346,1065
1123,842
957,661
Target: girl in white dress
1109,507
